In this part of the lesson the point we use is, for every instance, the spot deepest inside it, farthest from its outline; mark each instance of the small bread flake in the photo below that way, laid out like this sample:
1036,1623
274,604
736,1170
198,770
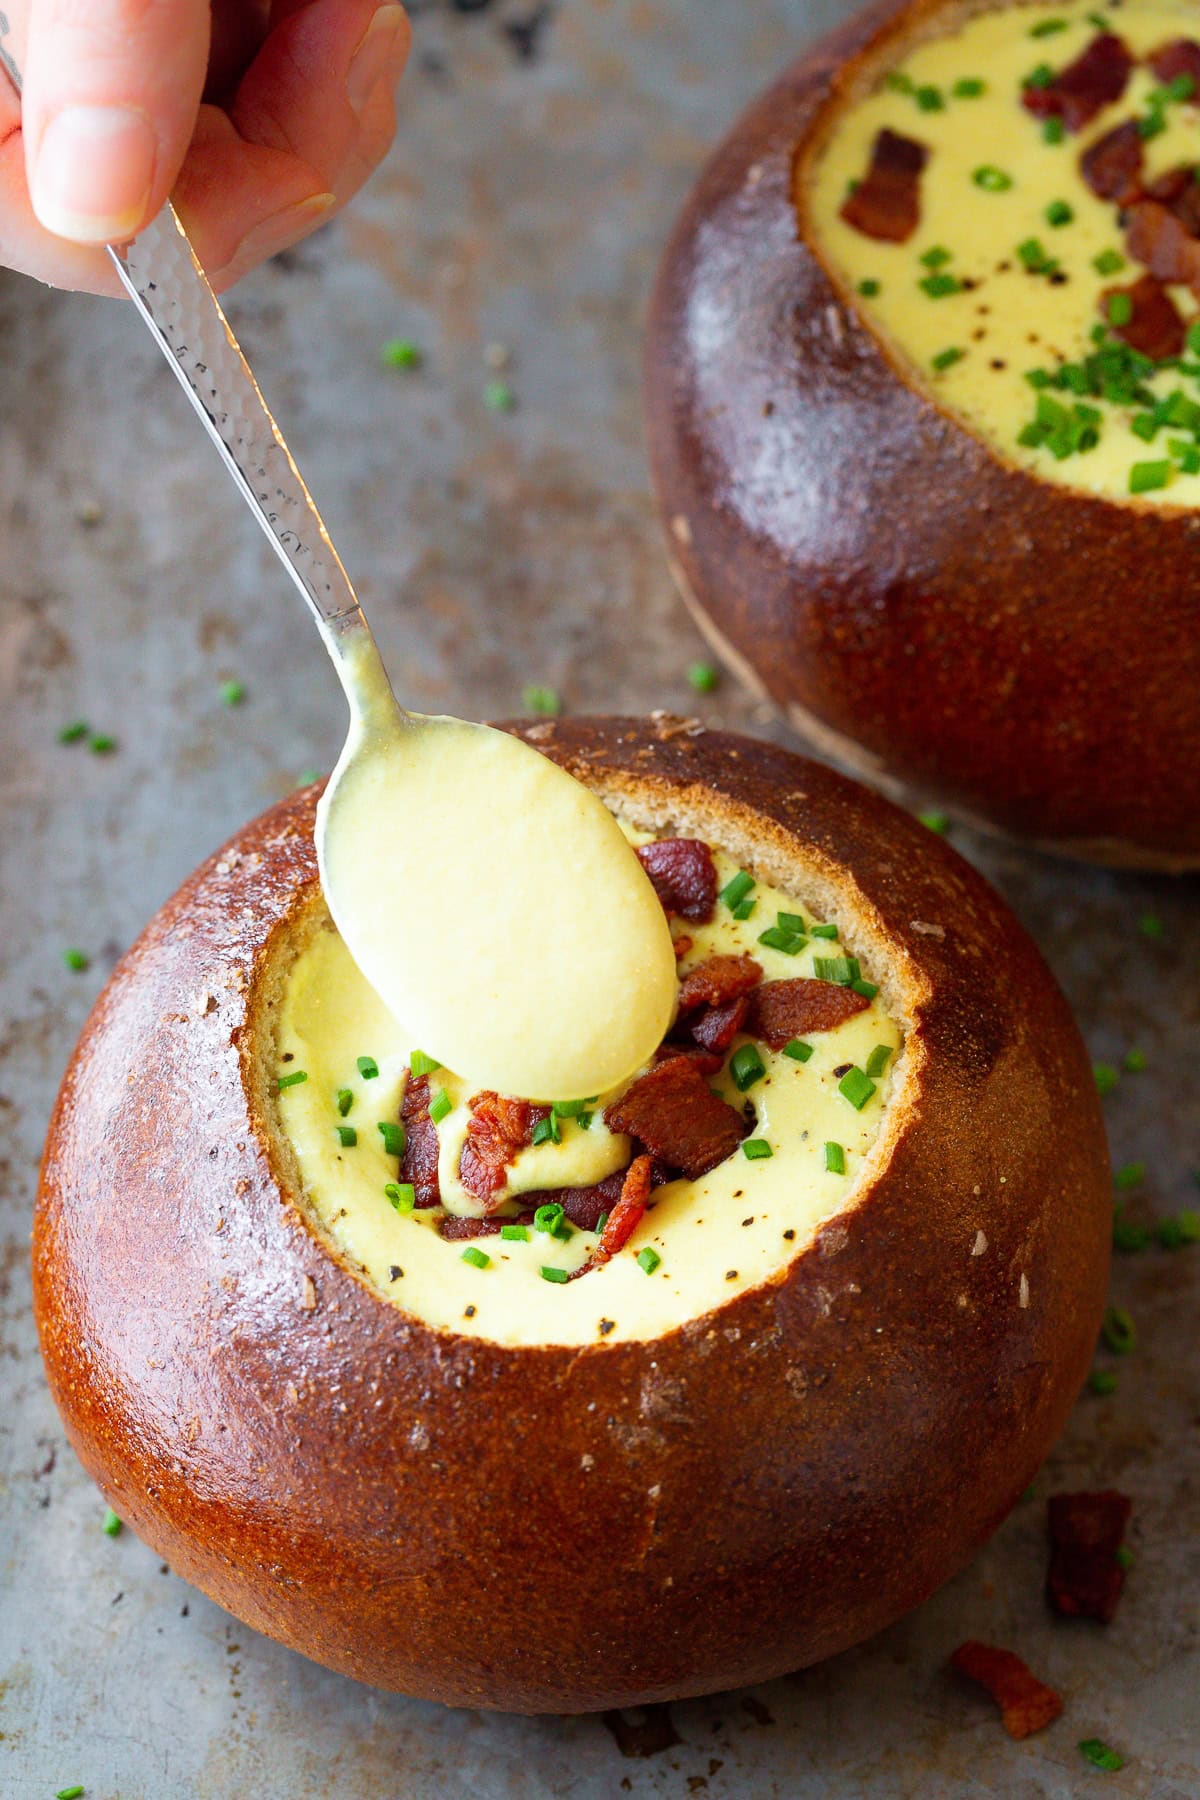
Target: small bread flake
669,725
926,929
1023,1291
308,1295
587,1461
681,529
540,733
835,325
980,1244
203,1002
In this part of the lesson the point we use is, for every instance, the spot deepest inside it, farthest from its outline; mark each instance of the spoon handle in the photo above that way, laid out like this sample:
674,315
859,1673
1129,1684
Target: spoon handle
164,278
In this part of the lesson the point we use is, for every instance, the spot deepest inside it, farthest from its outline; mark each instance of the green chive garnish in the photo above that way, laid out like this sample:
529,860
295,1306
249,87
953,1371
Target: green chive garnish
601,1222
402,1194
1146,476
232,693
549,1274
393,1135
1109,262
71,734
111,1526
756,1149
777,938
548,1218
547,1131
101,742
69,1793
929,98
823,931
968,87
1124,1558
368,1068
856,1086
868,989
735,890
798,1050
544,701
935,257
1059,213
422,1064
571,1109
835,1159
938,822
946,359
1131,1175
1118,309
648,1259
746,1067
515,1234
345,1100
1106,1077
745,910
347,1136
938,286
479,1259
440,1105
840,969
400,353
499,397
1118,1331
1129,1239
1041,77
1151,926
703,676
1099,1755
991,179
877,1062
868,288
1053,130
1047,27
791,922
292,1080
1102,1381
1193,337
76,959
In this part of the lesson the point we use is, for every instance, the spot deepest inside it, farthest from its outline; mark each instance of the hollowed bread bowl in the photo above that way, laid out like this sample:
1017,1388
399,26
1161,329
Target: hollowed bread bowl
558,1527
927,606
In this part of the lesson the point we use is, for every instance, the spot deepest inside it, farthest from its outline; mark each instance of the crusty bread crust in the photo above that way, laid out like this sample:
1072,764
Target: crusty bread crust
376,1493
895,586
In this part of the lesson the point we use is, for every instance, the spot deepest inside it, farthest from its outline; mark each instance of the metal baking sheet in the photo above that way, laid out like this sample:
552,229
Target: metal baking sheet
543,151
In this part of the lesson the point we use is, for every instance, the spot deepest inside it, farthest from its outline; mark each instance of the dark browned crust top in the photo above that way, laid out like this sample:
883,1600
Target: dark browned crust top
1025,653
520,1528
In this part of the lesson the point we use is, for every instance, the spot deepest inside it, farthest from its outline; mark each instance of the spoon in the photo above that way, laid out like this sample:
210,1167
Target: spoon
490,899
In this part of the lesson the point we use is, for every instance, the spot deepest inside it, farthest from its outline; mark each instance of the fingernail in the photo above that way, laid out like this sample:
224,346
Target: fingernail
275,234
93,173
379,56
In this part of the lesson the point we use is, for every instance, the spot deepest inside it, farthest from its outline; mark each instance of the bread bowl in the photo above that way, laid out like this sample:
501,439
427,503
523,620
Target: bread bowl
863,501
449,1493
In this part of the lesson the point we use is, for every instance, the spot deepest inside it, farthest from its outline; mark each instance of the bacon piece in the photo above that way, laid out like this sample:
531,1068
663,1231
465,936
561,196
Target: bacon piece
1180,57
715,1027
684,876
682,945
1179,191
887,201
635,1192
1112,166
782,1010
1155,237
675,1114
1095,79
1085,1579
456,1226
1155,326
419,1164
707,1061
1026,1704
497,1130
718,979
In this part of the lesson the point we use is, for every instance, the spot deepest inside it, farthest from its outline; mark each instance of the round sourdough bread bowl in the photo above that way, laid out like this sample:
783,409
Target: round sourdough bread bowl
554,1528
925,611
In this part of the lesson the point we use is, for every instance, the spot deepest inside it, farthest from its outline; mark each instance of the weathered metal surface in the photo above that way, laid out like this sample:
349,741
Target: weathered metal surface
524,206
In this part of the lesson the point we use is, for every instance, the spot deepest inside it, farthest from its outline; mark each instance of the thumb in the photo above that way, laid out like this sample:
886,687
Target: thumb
112,89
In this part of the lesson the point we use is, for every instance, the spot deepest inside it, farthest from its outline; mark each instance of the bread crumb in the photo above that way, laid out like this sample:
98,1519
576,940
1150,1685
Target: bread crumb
203,1002
587,1461
980,1244
926,929
1023,1291
308,1295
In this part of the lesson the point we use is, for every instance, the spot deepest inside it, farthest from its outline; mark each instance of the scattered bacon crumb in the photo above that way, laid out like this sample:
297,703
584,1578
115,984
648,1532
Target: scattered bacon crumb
887,201
1026,1704
1112,166
635,1192
419,1164
497,1130
718,979
707,1061
455,1226
682,945
1155,326
715,1027
675,1114
1180,57
1157,235
1093,81
1085,1579
782,1010
684,876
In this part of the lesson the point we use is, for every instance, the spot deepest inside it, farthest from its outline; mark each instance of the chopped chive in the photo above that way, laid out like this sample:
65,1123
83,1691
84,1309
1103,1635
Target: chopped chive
756,1149
868,288
968,87
648,1259
292,1080
937,822
1131,1175
478,1259
856,1086
1105,1076
1041,77
898,81
306,777
70,1793
601,1222
1124,1558
545,701
347,1136
791,922
1118,1331
232,693
76,959
420,1064
548,1218
938,286
1047,28
745,909
1097,1752
835,1159
111,1525
935,257
71,734
547,1131
1102,1381
877,1062
499,397
991,179
1033,254
1053,130
571,1109
946,359
1118,309
929,98
868,989
823,931
440,1105
101,742
584,1121
549,1274
703,677
400,353
798,1050
1146,476
402,1194
1193,337
1151,926
1059,213
393,1134
1109,262
746,1067
368,1068
1129,1239
735,890
345,1100
776,938
515,1234
840,969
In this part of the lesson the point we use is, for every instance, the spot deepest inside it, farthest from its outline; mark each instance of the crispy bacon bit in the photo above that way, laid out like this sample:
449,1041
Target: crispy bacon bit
1112,166
682,945
715,1027
1155,237
1155,326
419,1164
497,1130
1180,57
782,1010
887,201
1026,1704
675,1114
1093,81
635,1192
707,1061
1085,1578
718,979
684,876
455,1226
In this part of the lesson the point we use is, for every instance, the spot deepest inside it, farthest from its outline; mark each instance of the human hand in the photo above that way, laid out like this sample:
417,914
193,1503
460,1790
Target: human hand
260,118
